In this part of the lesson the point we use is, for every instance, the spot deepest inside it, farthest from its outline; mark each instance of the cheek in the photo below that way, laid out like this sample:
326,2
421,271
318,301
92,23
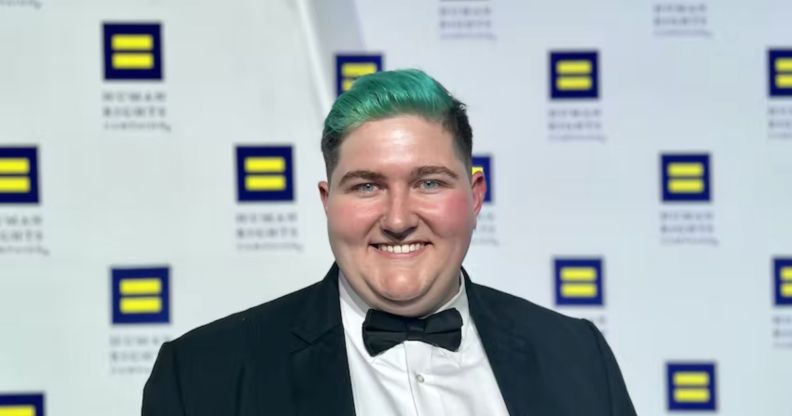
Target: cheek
350,220
452,214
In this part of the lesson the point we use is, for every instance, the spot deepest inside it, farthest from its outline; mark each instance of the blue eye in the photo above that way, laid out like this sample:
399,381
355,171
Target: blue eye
366,187
430,184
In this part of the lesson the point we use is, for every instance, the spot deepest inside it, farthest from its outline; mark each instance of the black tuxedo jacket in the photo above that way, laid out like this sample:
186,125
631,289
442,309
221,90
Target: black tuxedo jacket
288,357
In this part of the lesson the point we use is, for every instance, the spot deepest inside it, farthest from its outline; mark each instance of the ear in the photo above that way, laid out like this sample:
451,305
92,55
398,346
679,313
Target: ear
324,193
479,187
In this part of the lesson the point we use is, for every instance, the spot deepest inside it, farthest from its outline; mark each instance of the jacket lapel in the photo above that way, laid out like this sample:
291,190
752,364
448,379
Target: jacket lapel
319,368
511,353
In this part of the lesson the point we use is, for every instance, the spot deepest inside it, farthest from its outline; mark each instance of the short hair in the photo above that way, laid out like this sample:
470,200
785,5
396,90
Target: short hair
393,93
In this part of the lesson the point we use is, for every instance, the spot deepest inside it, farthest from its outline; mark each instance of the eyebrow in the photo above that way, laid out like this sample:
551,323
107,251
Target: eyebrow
416,173
433,170
361,174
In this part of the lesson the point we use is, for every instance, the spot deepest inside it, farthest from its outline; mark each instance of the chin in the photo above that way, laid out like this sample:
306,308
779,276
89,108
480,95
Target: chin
400,287
402,298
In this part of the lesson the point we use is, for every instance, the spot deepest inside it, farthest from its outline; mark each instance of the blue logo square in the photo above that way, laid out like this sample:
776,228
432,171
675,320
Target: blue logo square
19,179
685,177
351,67
579,281
23,404
779,72
140,295
782,281
132,51
484,164
691,386
574,75
265,174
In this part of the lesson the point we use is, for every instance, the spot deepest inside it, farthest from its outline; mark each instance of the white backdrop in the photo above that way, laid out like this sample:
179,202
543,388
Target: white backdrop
140,174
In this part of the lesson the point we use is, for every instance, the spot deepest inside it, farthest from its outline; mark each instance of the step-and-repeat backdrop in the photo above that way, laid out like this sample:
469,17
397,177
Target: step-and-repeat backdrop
159,163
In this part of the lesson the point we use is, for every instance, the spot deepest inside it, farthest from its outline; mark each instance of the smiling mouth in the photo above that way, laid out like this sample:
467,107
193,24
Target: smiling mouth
400,248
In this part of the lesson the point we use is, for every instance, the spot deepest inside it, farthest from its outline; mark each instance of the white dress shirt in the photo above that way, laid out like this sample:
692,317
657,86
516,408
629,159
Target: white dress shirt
415,378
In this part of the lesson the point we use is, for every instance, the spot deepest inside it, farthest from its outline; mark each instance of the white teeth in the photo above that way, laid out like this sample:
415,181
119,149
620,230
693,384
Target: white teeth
400,248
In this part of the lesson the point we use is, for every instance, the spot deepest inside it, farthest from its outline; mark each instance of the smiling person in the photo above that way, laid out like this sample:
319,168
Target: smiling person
396,327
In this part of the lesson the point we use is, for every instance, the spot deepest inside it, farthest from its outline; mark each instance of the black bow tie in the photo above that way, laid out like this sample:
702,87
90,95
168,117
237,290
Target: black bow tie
383,330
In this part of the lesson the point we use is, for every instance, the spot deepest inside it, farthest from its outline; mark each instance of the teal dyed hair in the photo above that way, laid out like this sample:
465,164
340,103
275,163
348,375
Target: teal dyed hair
393,93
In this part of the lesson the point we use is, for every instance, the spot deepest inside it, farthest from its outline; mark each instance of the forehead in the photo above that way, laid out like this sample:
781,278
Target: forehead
404,141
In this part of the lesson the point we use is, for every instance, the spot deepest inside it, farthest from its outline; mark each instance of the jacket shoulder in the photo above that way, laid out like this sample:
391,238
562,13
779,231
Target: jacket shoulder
570,356
211,368
543,325
273,317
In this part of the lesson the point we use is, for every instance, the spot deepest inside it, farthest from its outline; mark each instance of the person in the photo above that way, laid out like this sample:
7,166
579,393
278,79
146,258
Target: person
396,327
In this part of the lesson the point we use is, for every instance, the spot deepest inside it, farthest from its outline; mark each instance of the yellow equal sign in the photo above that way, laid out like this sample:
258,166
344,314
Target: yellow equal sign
140,296
351,71
578,282
783,70
132,51
573,75
691,387
265,173
14,175
786,281
17,410
685,177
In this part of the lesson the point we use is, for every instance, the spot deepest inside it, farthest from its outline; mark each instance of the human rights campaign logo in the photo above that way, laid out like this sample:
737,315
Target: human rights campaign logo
21,404
265,173
574,75
685,177
691,386
782,281
351,67
19,175
132,51
578,281
779,68
141,295
483,164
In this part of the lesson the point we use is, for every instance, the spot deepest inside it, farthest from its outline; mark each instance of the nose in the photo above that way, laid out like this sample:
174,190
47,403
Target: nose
399,219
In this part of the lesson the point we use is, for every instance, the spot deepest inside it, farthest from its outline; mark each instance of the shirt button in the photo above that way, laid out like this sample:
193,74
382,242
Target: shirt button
419,378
